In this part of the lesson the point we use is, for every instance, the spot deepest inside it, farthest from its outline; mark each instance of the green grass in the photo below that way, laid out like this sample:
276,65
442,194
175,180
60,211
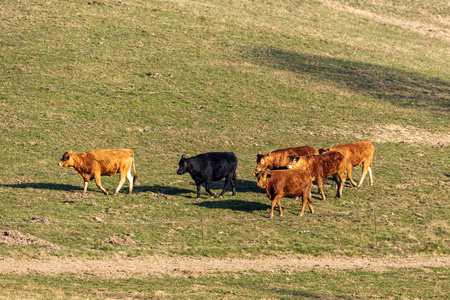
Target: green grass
409,283
167,78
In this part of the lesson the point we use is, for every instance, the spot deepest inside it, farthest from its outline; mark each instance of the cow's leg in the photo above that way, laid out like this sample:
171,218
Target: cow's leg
227,183
279,206
208,188
340,181
85,186
199,185
233,183
365,168
306,200
98,182
310,202
276,200
130,179
320,184
349,174
338,184
122,178
370,175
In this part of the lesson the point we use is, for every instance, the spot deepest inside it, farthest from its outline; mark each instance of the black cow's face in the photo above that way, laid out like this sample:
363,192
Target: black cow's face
182,165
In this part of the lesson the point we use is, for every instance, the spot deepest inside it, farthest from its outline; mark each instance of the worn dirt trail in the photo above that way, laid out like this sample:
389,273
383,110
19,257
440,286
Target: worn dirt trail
199,266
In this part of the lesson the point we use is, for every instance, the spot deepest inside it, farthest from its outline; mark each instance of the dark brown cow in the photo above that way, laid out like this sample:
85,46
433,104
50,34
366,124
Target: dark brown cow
280,158
321,166
96,163
286,183
355,154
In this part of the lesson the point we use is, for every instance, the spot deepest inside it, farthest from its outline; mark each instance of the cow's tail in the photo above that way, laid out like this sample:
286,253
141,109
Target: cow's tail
134,171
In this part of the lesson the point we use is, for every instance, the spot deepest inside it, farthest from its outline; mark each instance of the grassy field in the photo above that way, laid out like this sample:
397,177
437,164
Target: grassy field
167,78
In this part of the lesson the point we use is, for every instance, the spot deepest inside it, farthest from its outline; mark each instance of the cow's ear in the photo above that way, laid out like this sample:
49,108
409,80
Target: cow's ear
183,156
69,152
259,153
255,174
296,159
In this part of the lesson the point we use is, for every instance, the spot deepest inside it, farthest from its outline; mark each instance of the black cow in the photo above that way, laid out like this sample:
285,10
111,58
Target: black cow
208,167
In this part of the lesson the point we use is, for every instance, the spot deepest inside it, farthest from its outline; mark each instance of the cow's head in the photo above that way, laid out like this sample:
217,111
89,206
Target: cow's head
66,160
262,178
322,150
294,162
262,161
183,164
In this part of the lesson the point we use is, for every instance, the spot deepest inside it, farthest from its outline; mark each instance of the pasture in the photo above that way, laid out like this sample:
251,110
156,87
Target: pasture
166,78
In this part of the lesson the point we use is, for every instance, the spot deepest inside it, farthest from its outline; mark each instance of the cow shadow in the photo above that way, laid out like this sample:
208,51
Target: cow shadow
232,204
44,186
161,189
242,186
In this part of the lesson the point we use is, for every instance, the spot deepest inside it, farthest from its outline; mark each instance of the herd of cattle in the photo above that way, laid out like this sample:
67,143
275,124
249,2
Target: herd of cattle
292,170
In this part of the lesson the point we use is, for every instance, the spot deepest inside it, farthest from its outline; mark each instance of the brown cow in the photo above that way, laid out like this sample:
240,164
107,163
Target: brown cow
96,163
280,158
286,183
355,154
322,166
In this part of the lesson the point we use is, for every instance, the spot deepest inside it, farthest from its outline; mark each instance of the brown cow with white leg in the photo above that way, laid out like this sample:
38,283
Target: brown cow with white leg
280,158
321,166
355,154
96,163
286,183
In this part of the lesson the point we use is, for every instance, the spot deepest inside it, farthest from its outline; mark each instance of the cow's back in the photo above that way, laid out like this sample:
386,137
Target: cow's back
281,156
108,161
355,153
216,164
332,162
288,182
323,165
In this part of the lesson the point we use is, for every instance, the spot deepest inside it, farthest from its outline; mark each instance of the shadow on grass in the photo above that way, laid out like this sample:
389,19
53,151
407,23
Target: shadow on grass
236,205
45,186
401,88
242,186
161,189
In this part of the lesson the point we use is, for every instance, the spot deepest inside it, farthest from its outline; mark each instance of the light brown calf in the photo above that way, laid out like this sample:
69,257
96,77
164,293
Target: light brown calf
321,166
355,154
286,183
280,158
96,163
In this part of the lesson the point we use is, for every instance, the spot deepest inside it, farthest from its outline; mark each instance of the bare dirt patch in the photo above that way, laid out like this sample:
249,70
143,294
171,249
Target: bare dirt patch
12,237
126,240
425,29
383,133
185,266
392,133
